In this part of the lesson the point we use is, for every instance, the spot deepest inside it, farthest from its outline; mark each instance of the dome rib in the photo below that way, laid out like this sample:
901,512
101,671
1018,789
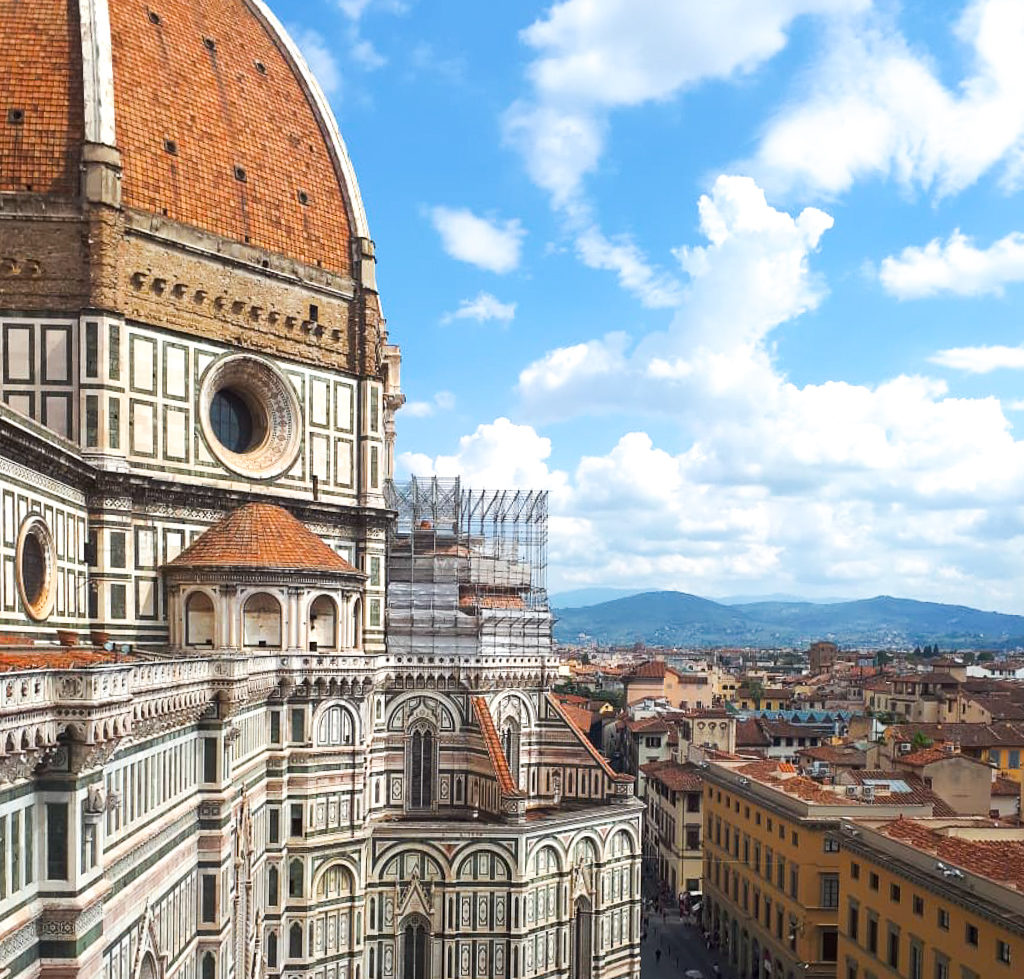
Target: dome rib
260,535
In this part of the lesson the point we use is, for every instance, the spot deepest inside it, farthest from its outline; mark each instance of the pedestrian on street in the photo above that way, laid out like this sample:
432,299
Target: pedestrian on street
657,955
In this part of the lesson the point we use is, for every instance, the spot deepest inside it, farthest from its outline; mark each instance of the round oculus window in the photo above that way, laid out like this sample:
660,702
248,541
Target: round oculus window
250,415
36,561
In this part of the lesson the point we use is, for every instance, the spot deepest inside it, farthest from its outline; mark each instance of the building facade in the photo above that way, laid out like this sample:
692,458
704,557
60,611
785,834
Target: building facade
262,713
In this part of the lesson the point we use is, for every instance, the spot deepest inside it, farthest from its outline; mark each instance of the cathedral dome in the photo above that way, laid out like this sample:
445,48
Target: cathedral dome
219,123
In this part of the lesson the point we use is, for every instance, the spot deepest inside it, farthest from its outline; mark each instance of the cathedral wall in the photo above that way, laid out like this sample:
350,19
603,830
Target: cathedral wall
32,503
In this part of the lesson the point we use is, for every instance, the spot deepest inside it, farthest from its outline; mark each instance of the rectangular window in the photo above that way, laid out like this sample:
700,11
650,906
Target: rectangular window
114,359
15,852
209,898
114,423
873,881
780,876
117,549
275,727
374,466
374,409
794,880
92,421
894,949
855,871
274,826
3,857
918,903
375,572
872,934
209,759
943,919
916,960
829,891
831,844
829,944
298,725
118,601
971,934
692,838
296,819
374,613
92,347
894,893
1002,951
56,841
1014,758
853,922
30,844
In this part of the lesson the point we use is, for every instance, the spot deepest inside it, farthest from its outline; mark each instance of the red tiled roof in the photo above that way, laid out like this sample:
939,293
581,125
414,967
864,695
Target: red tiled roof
1005,786
999,860
499,763
585,741
581,717
259,535
996,734
928,756
675,776
653,669
750,734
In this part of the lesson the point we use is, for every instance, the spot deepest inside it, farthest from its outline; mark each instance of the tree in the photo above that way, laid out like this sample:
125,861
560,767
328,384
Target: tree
986,657
585,659
756,690
921,740
882,658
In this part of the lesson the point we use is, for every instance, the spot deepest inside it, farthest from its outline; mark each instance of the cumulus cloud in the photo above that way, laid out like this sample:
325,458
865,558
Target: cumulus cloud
593,58
319,57
482,308
442,401
877,109
955,267
980,360
897,487
489,244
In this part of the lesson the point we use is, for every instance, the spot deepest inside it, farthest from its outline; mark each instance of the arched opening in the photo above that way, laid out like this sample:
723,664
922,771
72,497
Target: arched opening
147,970
416,948
199,620
261,621
510,745
272,949
272,886
420,748
295,878
323,624
357,624
209,966
295,941
581,952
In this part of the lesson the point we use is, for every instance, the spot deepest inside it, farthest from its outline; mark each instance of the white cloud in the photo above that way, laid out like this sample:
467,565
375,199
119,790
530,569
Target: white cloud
361,50
653,287
496,456
980,360
591,58
894,488
482,308
489,244
955,266
876,108
319,57
442,401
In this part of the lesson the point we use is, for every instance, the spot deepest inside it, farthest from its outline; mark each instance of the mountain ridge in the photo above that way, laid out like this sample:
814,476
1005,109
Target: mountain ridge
671,618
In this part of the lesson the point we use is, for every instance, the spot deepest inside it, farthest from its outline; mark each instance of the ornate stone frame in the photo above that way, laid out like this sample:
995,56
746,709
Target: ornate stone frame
35,526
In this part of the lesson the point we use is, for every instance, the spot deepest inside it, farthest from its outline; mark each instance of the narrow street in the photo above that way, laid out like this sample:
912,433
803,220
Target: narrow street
682,948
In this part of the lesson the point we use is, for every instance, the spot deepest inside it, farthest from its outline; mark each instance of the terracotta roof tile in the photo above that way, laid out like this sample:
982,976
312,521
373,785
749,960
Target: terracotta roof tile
499,763
675,776
259,535
585,741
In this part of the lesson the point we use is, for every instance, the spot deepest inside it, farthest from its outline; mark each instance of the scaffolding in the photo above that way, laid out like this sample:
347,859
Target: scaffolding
467,568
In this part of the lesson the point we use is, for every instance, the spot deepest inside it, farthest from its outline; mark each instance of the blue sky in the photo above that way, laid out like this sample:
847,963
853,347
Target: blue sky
738,282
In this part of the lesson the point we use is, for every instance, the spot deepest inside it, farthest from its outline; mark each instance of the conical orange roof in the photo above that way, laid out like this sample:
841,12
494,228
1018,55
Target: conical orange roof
259,535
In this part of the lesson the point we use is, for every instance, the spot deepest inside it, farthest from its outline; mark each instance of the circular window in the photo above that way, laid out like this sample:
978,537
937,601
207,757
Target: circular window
249,415
36,560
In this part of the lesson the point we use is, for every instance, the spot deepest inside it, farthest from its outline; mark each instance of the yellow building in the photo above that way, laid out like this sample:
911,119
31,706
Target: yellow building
931,899
672,793
772,861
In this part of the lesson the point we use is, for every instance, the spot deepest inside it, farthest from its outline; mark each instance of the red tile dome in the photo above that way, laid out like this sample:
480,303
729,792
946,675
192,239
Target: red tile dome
219,123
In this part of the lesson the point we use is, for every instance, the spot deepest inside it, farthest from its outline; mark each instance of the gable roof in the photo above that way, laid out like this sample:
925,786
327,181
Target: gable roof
499,763
260,535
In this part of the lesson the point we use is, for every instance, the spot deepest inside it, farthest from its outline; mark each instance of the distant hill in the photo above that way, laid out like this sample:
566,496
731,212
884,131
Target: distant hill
670,618
579,597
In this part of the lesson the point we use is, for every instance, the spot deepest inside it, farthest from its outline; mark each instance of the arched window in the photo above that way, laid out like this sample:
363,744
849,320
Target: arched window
272,949
357,624
510,745
261,621
295,878
335,727
295,941
415,949
148,968
580,953
209,966
199,620
323,623
272,886
420,768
